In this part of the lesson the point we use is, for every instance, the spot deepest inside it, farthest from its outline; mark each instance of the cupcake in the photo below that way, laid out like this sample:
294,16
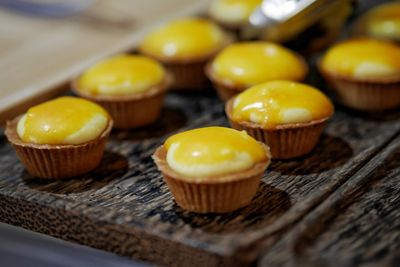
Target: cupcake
232,14
242,65
184,46
364,73
212,169
381,22
61,138
130,87
287,116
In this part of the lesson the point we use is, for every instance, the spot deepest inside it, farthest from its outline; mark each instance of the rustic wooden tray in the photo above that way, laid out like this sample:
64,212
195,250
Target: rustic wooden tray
125,207
337,206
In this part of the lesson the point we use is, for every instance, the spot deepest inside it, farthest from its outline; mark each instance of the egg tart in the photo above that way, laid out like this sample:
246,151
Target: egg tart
212,169
232,14
130,87
382,21
287,116
61,138
184,46
364,73
242,65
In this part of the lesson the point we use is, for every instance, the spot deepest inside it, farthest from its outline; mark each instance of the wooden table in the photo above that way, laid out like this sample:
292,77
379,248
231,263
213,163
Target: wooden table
337,206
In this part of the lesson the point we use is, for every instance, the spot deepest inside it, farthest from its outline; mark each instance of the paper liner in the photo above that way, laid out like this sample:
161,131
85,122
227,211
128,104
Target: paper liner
285,141
217,198
188,76
131,111
57,161
226,92
212,195
365,95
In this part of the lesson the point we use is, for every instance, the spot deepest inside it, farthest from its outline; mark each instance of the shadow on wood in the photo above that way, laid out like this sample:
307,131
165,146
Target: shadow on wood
171,119
267,206
373,116
112,166
364,196
331,152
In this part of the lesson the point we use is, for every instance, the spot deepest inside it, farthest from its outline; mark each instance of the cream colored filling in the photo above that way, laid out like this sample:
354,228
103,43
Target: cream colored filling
90,131
288,115
295,115
241,161
229,13
385,29
368,69
126,87
21,126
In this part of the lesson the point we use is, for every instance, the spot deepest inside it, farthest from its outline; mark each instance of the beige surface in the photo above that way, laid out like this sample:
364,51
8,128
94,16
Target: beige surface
38,56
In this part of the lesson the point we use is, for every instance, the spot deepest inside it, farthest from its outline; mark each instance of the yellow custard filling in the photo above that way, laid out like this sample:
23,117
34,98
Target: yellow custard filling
122,75
184,39
384,21
212,151
363,58
281,102
63,121
250,63
233,11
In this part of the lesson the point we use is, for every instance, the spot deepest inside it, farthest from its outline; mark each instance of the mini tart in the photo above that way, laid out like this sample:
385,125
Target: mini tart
263,61
184,46
382,21
232,14
212,193
285,140
131,110
57,161
364,73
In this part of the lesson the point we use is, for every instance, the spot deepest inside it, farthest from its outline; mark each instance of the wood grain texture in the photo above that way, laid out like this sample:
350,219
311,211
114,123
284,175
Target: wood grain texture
358,225
124,205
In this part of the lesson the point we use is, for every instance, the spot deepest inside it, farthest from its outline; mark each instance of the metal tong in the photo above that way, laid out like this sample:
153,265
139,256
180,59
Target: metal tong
280,20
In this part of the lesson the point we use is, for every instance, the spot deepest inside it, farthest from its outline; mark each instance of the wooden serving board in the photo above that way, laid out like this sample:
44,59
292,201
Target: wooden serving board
125,207
338,205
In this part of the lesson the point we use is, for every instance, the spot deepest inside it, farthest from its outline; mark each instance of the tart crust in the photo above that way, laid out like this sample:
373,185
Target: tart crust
132,110
58,161
210,194
371,94
286,141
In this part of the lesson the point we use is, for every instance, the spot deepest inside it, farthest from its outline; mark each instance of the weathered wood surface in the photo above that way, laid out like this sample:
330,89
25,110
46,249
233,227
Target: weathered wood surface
358,225
125,207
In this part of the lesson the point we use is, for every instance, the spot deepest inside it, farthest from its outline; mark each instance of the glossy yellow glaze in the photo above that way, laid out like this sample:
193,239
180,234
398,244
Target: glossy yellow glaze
281,102
250,63
184,39
122,75
363,58
212,151
233,11
65,120
384,21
